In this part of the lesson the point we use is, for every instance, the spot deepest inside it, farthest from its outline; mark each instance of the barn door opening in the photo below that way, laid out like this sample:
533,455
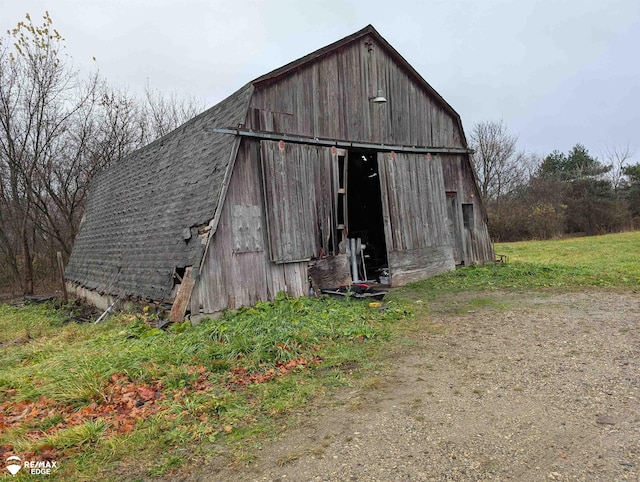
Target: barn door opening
364,213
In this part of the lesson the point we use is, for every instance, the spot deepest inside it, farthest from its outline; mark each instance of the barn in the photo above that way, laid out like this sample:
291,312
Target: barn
342,165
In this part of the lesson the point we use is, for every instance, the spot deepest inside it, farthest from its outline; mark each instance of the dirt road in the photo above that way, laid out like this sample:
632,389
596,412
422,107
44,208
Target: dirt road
528,387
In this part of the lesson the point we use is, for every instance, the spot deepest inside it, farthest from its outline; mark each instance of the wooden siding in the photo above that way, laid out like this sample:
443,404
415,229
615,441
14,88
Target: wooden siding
330,98
299,199
281,201
459,179
415,216
237,270
455,227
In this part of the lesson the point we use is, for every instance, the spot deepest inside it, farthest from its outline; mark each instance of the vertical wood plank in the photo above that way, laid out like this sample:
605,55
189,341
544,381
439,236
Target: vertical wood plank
181,303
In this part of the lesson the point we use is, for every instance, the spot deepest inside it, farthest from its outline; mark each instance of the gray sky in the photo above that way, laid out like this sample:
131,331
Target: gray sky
557,72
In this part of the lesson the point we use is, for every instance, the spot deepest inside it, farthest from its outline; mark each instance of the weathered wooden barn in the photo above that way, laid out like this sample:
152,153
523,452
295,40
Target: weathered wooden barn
274,182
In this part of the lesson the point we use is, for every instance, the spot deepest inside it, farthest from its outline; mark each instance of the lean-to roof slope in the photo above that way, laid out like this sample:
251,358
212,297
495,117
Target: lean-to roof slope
133,235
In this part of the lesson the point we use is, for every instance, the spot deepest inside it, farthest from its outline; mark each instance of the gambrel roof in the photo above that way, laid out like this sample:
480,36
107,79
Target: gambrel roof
145,212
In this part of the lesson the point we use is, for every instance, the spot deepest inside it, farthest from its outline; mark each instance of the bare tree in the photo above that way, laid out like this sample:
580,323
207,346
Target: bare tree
57,129
500,166
163,113
617,158
36,104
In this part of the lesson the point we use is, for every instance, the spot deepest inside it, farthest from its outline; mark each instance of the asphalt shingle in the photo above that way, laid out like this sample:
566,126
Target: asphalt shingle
133,234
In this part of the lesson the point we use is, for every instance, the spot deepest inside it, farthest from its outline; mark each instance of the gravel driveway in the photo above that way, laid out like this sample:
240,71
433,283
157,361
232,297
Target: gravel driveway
523,387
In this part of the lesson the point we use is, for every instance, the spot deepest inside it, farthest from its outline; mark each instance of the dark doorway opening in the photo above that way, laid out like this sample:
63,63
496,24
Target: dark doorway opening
364,209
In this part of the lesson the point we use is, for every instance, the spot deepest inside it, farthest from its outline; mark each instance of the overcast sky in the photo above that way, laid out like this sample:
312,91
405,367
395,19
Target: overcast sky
558,72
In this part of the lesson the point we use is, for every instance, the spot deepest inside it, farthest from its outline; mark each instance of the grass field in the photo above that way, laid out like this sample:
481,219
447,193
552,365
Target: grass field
89,396
614,257
598,261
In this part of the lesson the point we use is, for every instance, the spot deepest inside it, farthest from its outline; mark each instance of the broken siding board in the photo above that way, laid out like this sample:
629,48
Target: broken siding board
324,217
365,86
306,236
384,192
416,112
455,227
353,81
438,201
216,278
183,297
296,279
310,200
450,171
394,208
408,202
335,183
332,81
389,209
426,192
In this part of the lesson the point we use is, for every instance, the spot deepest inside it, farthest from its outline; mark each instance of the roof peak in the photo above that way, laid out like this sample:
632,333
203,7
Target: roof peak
321,52
328,49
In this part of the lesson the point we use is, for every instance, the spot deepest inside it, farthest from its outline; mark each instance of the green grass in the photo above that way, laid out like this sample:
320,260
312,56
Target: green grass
224,381
611,261
22,325
223,386
614,256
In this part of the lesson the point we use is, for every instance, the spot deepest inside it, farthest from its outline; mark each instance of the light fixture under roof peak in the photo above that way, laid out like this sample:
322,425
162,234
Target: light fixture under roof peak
378,99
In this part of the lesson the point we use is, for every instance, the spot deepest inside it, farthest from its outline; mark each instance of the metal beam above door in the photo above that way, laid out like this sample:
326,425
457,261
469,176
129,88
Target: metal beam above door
296,139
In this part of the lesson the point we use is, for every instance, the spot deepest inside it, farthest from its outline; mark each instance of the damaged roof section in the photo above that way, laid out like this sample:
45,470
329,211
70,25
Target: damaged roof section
141,208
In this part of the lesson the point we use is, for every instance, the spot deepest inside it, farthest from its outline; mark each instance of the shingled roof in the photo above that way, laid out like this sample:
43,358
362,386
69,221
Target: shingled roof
142,208
134,233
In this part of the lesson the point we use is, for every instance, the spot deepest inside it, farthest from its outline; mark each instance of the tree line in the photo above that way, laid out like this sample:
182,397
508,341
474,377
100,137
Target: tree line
573,193
59,126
